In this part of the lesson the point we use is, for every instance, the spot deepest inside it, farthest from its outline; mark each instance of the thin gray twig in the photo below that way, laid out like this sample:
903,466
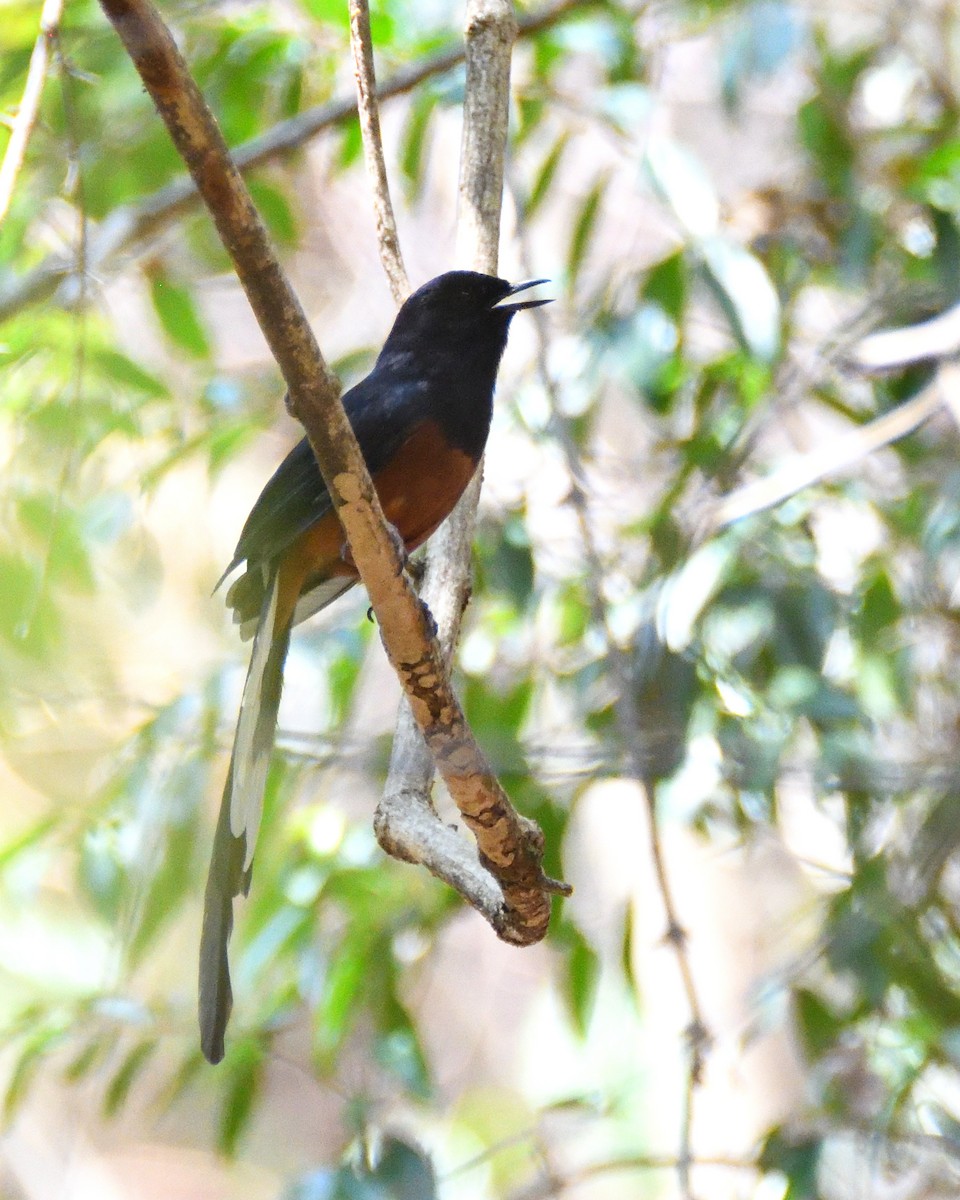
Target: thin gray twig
388,240
628,723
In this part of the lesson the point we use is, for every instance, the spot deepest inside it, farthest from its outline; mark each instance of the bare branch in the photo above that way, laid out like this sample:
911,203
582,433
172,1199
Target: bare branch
840,453
552,1186
126,229
388,240
509,845
406,823
29,103
893,349
490,34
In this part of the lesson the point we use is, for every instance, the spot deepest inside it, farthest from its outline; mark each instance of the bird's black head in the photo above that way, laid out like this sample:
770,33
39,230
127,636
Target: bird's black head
462,307
445,348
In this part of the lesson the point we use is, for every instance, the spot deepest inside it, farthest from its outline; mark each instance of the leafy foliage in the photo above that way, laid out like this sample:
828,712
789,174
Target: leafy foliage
618,630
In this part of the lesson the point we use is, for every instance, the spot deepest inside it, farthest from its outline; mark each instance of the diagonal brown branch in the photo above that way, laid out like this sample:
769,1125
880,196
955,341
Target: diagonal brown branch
29,104
510,845
388,240
128,228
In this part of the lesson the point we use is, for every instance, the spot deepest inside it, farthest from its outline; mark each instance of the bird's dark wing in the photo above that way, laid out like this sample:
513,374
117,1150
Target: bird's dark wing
383,412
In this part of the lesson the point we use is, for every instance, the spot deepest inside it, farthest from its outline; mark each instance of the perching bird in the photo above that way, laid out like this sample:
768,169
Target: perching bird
421,418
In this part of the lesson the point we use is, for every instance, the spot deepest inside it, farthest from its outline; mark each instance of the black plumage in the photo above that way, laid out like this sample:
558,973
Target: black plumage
421,418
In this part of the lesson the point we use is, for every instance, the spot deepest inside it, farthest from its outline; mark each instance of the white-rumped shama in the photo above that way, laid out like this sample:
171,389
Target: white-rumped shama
421,418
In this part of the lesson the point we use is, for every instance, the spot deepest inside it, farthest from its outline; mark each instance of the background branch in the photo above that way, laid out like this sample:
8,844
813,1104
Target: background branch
127,228
803,470
29,104
388,240
508,843
893,349
629,726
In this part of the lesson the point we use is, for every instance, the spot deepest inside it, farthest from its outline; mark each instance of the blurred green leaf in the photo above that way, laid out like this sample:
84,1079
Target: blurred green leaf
581,973
819,1027
179,316
328,12
506,562
415,141
879,606
125,1077
583,228
276,211
129,374
27,1062
795,1157
666,285
546,175
243,1067
342,990
86,1059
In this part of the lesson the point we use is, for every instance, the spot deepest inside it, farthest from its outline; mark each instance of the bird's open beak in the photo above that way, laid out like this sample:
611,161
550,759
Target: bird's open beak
508,302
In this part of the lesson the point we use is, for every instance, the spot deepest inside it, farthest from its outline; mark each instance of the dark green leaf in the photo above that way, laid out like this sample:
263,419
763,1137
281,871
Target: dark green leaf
403,1172
795,1157
880,606
819,1027
666,285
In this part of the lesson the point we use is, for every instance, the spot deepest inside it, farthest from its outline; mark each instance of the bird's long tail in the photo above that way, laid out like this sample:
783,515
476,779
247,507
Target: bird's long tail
239,821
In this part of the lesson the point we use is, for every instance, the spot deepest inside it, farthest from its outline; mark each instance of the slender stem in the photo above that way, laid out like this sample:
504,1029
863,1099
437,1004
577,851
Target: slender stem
628,723
388,240
29,104
555,1186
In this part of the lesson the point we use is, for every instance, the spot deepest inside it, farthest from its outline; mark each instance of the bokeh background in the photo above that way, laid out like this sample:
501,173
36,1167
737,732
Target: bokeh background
712,645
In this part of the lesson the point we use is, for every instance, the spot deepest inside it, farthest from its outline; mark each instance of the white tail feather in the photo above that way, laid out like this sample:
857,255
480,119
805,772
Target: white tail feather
320,596
251,763
309,603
